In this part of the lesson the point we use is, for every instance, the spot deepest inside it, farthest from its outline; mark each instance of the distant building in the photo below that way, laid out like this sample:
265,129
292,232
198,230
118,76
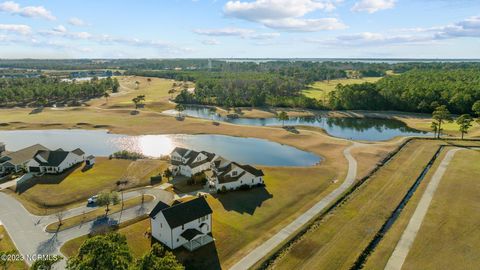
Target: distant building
2,148
18,160
187,224
54,162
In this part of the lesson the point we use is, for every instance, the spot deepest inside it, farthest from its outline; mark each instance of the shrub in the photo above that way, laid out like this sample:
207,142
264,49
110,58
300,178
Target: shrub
124,154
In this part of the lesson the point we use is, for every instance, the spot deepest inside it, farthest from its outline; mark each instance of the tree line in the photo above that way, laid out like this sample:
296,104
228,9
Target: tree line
45,91
413,91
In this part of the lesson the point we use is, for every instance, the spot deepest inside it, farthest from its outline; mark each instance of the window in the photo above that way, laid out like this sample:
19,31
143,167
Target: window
252,180
234,173
183,227
161,225
178,240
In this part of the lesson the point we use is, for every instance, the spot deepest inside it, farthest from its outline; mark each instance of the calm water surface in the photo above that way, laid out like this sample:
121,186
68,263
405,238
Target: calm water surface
367,129
100,143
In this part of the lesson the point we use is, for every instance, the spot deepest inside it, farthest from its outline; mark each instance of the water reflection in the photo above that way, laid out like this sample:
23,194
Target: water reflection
370,129
100,143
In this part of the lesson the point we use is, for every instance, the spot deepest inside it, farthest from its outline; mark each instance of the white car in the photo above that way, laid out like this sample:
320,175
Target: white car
92,199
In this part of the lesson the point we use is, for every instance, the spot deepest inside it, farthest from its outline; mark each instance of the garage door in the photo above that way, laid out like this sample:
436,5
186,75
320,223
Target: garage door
34,169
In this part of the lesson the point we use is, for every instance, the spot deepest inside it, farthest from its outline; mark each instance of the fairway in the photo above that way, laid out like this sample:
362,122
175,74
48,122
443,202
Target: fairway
320,90
343,234
48,193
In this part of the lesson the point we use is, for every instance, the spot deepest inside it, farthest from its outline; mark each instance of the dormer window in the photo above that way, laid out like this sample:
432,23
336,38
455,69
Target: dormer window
234,173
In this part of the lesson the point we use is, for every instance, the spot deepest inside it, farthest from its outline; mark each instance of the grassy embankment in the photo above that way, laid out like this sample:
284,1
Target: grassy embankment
448,237
6,244
50,193
342,235
97,213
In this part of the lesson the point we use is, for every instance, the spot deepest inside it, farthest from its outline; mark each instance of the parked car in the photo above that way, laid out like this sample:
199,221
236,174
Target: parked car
92,199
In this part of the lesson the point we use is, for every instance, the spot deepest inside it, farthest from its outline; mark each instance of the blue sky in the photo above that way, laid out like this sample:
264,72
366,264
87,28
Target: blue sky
240,28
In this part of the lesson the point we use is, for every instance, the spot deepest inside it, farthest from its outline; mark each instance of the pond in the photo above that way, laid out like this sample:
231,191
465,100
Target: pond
367,129
101,143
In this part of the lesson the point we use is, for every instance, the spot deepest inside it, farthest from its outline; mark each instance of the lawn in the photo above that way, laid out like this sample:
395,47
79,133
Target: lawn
244,219
6,244
448,237
50,193
320,90
89,216
342,235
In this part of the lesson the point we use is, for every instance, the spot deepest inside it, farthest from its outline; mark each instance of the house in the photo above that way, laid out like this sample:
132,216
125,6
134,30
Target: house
2,148
17,161
90,161
187,224
189,162
46,161
232,175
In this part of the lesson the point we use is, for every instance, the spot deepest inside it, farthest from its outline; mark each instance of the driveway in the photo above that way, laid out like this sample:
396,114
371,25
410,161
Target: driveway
27,230
268,246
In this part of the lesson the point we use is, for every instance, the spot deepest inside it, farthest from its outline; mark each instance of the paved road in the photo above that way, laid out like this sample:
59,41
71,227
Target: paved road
261,251
27,230
403,246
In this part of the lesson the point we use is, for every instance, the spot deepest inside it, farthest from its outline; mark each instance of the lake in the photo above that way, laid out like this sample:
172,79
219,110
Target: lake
366,129
101,143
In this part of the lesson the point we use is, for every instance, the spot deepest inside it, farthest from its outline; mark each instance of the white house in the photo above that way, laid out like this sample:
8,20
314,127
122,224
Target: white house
231,175
90,160
18,160
189,162
46,161
187,224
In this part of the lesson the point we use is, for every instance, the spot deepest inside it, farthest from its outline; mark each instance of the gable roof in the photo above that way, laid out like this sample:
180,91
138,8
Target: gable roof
159,207
185,212
181,151
53,158
250,169
78,152
23,155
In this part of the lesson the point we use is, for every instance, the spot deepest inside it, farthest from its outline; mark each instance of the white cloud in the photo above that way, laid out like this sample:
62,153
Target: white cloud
264,36
28,11
77,22
287,15
210,42
372,6
16,28
469,27
224,32
60,29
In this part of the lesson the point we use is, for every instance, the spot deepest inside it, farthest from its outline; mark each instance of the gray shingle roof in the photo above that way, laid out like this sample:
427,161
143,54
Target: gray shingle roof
53,158
23,155
182,213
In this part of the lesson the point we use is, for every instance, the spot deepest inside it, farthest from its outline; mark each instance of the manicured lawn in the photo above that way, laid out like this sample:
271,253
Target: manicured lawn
89,216
49,193
319,90
448,237
6,244
246,218
342,235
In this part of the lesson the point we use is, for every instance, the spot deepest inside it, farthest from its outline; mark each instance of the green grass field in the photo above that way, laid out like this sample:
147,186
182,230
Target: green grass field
49,193
6,244
448,237
319,90
343,234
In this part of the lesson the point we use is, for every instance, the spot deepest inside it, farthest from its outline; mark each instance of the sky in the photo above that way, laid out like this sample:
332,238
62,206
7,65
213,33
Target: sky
240,29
